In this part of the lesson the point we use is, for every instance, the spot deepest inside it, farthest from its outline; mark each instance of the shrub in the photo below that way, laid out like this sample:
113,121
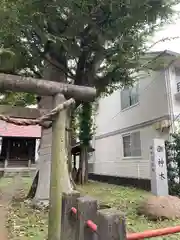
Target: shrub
173,164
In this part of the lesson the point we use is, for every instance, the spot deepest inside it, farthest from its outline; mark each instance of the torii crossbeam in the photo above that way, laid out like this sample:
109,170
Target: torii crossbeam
45,88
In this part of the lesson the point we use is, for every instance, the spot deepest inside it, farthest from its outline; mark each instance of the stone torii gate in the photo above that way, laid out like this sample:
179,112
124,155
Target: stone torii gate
59,91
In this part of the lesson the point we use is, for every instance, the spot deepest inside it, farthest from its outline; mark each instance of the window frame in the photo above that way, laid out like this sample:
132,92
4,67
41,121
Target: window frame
136,86
130,135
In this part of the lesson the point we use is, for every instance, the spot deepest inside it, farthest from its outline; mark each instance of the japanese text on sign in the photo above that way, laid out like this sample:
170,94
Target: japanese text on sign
159,184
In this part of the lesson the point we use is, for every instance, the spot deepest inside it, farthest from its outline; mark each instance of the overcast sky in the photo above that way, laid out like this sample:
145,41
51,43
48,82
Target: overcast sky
170,30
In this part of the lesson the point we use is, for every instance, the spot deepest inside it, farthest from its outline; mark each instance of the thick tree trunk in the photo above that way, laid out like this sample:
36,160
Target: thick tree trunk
86,171
44,162
85,136
82,175
69,145
33,188
68,139
84,157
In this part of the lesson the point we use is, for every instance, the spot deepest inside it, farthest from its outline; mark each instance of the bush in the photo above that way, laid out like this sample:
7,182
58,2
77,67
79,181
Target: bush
173,164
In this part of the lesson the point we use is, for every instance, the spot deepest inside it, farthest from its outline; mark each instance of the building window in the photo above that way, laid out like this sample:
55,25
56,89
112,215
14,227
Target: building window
132,145
129,96
177,73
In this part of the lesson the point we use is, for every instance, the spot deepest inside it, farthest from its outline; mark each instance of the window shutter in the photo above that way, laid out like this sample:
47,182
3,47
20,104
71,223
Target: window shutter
135,144
125,98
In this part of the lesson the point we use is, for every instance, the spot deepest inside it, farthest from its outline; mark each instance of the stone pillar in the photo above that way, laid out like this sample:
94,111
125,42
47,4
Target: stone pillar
159,181
37,145
44,161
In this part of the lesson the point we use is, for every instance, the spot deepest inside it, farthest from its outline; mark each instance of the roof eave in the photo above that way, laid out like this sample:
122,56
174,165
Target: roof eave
159,60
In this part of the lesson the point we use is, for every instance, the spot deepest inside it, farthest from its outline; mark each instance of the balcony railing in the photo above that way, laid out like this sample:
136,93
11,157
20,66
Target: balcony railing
178,86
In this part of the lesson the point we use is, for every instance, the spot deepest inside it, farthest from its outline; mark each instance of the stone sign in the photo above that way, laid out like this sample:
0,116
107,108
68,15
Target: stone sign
159,181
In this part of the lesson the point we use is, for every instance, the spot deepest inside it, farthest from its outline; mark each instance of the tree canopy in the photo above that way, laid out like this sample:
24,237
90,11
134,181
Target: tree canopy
94,42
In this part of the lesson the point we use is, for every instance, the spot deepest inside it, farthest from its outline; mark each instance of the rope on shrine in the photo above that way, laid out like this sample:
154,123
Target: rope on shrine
44,121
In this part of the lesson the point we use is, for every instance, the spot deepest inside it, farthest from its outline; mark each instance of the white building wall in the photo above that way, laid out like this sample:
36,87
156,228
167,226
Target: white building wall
153,104
109,158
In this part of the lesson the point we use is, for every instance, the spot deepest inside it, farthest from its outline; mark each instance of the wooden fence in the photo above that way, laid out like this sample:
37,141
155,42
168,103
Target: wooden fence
80,218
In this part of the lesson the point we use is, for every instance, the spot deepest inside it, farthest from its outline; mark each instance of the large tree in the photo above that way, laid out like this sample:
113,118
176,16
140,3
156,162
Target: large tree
87,42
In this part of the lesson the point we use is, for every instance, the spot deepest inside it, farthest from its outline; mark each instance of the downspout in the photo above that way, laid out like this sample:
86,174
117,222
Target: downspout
169,97
138,170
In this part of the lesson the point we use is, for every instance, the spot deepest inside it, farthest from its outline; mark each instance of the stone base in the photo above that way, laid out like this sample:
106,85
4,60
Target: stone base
40,204
24,172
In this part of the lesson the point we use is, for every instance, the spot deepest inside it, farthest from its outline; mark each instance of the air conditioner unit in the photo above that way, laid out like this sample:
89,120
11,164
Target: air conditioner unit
162,125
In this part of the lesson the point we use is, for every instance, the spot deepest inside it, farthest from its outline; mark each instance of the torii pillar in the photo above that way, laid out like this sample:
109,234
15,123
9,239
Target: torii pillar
45,88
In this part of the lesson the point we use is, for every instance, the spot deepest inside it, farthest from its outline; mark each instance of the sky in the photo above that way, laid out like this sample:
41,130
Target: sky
170,30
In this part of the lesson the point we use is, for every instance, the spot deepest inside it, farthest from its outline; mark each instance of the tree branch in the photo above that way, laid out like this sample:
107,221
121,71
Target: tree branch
59,66
47,56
